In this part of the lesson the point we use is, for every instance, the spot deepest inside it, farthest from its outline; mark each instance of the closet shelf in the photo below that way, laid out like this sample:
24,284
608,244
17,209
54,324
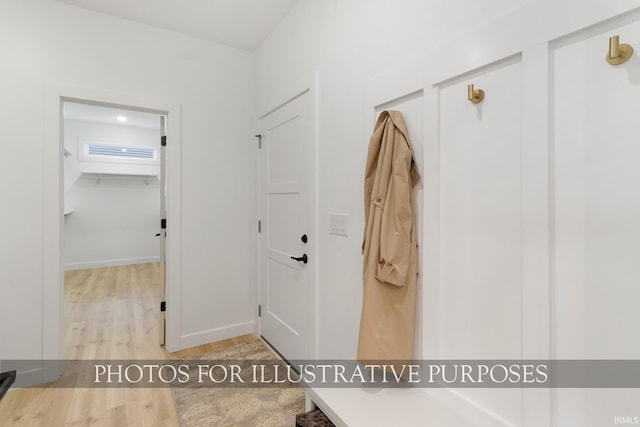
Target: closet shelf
120,177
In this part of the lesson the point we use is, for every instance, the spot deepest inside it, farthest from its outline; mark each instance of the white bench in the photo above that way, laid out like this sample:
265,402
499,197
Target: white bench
382,407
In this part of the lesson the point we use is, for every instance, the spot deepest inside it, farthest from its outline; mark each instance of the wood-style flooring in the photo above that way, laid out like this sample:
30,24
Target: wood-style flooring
110,313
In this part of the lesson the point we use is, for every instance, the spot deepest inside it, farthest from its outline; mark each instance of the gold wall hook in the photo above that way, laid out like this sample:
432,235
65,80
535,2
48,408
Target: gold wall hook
618,53
475,95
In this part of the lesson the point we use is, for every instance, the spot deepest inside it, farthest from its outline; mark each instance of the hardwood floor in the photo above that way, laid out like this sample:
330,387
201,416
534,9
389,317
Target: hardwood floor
110,313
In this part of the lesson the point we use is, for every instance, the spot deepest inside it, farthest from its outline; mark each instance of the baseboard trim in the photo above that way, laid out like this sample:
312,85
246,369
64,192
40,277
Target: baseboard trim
218,334
28,378
110,263
467,408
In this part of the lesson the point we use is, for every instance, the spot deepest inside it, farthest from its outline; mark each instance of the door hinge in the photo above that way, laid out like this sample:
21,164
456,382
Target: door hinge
259,140
259,226
163,223
163,306
163,140
259,310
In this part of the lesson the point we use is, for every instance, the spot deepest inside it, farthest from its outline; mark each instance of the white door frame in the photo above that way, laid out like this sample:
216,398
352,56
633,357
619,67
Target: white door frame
163,233
302,85
53,206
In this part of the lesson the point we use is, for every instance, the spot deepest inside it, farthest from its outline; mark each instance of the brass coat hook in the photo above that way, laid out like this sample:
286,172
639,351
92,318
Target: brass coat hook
475,95
618,53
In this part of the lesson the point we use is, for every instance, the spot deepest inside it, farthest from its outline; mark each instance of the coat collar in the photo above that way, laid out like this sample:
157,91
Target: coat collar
398,122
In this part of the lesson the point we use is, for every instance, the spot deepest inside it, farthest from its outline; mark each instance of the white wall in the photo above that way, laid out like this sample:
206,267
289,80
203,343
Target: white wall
56,45
350,42
114,220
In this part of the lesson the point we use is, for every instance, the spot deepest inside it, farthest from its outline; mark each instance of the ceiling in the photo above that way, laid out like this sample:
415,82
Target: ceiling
241,24
99,114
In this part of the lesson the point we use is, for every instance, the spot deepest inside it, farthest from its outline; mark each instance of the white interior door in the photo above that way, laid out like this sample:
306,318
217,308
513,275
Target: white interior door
286,139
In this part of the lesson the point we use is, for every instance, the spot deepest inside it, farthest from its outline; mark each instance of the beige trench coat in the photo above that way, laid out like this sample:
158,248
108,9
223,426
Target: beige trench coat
387,324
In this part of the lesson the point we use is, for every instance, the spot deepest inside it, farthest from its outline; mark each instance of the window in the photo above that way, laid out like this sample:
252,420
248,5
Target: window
119,153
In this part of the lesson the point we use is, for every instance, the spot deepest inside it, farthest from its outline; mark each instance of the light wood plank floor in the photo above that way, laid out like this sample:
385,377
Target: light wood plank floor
110,313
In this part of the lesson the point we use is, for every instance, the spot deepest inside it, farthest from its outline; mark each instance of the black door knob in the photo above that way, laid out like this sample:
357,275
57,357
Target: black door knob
304,238
303,258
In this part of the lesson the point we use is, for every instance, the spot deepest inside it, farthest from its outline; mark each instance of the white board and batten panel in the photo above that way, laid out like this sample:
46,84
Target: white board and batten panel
530,228
596,208
481,216
596,214
480,254
581,145
474,310
580,136
470,281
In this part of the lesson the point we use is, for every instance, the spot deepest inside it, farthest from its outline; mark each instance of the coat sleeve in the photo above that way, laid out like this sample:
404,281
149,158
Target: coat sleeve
396,236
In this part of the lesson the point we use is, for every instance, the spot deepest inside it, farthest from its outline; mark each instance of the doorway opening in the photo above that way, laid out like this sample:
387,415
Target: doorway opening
114,187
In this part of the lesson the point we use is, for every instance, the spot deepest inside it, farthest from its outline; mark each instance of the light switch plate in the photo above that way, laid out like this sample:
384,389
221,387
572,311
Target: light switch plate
338,224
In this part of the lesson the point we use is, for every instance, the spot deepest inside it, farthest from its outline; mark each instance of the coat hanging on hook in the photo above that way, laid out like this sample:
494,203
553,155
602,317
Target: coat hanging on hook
390,250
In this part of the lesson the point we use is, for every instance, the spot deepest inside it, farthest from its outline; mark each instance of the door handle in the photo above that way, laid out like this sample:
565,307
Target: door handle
303,258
